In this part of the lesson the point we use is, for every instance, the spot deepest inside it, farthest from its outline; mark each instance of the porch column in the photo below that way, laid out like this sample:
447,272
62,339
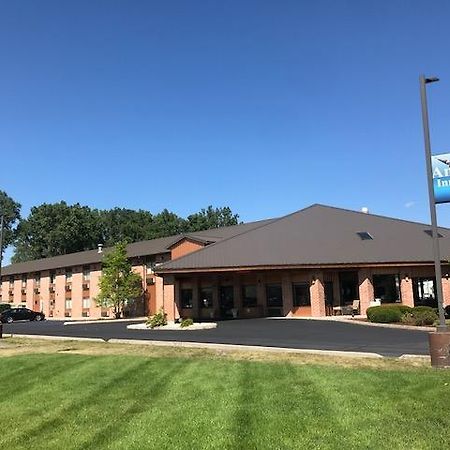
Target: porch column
215,297
446,290
261,293
366,294
237,293
195,303
170,307
406,289
288,300
317,292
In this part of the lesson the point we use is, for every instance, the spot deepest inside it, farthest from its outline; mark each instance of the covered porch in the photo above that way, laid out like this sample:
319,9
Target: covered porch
294,292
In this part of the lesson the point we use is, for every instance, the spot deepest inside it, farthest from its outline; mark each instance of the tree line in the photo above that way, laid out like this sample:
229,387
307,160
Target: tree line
58,228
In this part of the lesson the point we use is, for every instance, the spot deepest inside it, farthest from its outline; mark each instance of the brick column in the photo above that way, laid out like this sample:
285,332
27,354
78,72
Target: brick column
406,289
261,293
45,294
288,300
195,301
60,294
94,310
18,291
446,290
317,292
170,307
30,291
77,292
237,293
366,294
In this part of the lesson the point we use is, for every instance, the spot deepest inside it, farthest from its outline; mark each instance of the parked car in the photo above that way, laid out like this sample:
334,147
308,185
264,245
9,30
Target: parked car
4,307
13,314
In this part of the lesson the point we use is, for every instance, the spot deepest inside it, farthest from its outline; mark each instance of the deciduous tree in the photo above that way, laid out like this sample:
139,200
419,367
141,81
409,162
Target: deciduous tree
119,285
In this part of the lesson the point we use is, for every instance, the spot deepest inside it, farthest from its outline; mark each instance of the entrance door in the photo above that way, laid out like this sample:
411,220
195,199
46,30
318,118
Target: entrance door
349,285
226,301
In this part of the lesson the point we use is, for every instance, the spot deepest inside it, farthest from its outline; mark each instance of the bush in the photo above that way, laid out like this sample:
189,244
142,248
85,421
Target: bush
420,316
384,314
186,323
157,320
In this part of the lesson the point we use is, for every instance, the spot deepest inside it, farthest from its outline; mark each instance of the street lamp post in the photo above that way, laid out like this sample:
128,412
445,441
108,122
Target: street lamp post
434,229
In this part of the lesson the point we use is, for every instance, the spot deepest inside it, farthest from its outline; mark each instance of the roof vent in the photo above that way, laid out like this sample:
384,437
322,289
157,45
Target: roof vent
100,248
365,236
365,210
430,233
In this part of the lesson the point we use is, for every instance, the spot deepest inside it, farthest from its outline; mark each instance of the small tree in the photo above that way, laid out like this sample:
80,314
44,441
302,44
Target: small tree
119,285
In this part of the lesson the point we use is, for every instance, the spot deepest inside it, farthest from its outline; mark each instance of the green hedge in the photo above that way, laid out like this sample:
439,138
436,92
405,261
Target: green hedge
389,313
420,316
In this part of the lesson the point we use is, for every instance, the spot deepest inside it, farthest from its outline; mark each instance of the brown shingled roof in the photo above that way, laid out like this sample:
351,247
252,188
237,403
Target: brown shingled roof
136,249
318,235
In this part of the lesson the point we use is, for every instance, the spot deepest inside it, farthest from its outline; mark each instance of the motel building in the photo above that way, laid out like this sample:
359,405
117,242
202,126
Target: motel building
314,262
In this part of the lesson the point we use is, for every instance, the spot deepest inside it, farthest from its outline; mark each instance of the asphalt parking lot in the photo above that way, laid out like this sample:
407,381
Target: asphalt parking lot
304,334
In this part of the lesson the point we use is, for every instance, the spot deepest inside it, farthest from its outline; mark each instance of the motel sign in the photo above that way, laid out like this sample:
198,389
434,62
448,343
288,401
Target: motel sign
440,165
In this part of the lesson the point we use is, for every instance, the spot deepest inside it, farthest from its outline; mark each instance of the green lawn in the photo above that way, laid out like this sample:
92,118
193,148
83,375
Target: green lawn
67,401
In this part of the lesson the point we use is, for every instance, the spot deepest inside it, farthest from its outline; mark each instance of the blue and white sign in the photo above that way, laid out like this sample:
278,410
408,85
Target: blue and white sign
440,165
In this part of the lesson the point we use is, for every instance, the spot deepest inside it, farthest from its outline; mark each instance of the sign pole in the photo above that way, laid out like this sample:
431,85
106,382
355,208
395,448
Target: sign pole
434,229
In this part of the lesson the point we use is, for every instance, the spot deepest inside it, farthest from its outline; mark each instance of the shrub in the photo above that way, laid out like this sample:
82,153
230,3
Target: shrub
157,320
186,323
420,316
384,314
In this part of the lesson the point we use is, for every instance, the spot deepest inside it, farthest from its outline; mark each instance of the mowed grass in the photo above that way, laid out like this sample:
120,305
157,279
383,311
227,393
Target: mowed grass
78,401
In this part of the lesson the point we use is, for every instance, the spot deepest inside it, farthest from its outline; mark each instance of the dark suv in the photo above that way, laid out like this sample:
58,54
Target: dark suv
13,314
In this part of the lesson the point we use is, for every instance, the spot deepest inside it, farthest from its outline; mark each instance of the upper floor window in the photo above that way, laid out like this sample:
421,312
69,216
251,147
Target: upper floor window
24,281
68,275
37,278
86,273
52,276
11,281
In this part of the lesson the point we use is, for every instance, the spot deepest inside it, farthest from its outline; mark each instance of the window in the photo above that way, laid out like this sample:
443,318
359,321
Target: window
150,263
68,275
301,294
186,298
206,297
387,288
86,303
365,236
52,276
37,278
274,295
249,297
11,281
86,273
68,303
24,281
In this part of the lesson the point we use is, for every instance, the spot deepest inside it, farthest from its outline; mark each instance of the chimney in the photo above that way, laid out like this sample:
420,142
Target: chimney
365,210
100,248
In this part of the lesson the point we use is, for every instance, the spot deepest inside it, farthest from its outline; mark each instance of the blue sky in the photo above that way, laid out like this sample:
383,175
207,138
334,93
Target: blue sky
265,106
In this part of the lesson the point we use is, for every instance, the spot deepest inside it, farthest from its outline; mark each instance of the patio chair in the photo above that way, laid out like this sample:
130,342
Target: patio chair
355,307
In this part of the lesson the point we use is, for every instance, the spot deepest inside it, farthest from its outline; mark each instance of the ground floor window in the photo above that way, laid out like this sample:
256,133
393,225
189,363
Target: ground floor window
274,295
424,291
86,303
301,294
186,298
387,288
206,297
249,297
68,304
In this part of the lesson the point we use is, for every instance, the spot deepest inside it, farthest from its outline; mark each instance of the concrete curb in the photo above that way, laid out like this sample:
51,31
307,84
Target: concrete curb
225,347
52,338
213,346
174,327
88,322
389,325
